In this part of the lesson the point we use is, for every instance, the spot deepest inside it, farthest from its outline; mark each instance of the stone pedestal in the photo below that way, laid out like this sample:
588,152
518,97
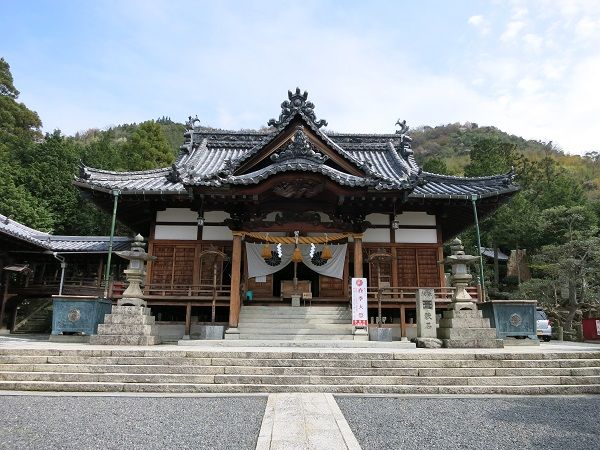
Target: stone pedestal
467,329
295,299
380,334
360,334
127,325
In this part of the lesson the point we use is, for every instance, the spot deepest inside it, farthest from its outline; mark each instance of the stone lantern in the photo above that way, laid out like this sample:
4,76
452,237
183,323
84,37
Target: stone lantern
130,321
135,272
460,276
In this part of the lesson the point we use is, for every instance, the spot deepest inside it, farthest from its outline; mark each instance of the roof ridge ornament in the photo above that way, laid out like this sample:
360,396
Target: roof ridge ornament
83,172
192,123
300,147
174,175
297,103
405,140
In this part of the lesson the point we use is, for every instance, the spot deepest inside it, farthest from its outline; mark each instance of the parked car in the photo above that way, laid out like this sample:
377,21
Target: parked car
544,325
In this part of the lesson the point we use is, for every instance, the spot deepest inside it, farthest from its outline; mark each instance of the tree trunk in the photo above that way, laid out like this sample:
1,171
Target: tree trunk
572,307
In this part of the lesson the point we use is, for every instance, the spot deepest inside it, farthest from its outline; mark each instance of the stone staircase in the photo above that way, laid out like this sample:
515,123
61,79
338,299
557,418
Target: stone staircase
36,321
364,372
295,323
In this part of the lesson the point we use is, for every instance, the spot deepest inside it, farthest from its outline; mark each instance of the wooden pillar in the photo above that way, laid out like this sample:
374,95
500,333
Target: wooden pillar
358,256
4,299
234,299
402,320
188,319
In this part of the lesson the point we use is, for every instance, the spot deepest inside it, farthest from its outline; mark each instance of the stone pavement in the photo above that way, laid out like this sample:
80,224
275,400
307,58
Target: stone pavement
304,421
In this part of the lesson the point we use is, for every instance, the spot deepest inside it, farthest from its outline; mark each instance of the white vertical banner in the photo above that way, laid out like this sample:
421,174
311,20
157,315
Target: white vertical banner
360,313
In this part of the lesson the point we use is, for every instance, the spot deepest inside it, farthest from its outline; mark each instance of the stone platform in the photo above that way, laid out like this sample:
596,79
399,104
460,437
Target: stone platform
127,325
467,329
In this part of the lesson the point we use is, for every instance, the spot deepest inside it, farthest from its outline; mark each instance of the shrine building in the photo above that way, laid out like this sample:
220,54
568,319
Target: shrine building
246,218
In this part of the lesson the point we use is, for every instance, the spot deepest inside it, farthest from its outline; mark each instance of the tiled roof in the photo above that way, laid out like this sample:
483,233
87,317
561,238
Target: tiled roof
211,158
46,241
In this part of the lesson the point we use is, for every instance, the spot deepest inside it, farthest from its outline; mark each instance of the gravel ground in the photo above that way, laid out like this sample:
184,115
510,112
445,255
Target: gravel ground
474,423
39,422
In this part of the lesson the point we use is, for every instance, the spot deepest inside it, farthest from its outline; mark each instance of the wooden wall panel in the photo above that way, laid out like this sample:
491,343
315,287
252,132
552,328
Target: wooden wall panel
330,287
261,289
407,267
428,267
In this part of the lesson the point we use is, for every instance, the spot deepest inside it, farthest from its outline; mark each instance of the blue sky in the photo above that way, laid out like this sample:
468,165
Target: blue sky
528,67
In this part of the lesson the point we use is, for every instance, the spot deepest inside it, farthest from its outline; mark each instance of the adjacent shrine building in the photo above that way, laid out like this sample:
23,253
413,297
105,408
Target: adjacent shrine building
241,212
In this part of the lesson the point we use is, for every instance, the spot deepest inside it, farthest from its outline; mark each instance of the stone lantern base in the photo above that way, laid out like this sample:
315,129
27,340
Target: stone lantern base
467,329
127,325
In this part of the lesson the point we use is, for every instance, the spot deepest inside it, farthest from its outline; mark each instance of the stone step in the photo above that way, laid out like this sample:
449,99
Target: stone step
290,316
465,323
295,309
296,379
292,320
465,314
125,329
473,343
128,319
273,388
317,366
295,336
131,310
466,333
297,329
119,339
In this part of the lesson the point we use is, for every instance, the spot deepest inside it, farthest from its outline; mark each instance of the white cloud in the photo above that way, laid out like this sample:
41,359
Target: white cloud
480,23
512,30
533,41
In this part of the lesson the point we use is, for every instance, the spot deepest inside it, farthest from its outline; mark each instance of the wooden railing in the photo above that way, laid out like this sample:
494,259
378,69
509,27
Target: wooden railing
202,291
71,285
409,294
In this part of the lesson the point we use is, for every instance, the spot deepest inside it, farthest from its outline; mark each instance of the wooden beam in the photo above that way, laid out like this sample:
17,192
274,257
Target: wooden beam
234,300
358,256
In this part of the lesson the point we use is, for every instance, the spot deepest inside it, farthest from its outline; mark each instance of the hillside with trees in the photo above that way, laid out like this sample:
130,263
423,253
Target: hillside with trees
555,217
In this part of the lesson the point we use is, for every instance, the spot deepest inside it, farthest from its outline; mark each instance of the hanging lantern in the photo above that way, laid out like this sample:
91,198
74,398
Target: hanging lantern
266,251
297,256
326,253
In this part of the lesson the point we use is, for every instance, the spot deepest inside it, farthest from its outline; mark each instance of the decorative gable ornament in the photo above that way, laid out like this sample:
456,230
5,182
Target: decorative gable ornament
300,147
405,139
297,103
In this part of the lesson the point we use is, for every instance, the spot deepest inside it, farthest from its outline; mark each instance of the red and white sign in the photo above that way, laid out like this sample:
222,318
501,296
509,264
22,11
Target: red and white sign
360,313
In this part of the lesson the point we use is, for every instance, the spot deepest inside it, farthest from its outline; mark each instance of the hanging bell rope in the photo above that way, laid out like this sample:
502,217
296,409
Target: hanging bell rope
265,253
326,252
297,239
297,256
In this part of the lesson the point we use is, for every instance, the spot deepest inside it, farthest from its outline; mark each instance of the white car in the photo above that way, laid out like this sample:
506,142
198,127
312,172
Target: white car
544,325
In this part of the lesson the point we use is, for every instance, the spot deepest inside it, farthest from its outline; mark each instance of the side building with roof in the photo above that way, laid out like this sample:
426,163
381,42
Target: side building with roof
30,264
256,196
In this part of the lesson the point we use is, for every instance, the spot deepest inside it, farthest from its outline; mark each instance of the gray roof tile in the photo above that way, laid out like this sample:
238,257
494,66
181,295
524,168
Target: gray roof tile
46,241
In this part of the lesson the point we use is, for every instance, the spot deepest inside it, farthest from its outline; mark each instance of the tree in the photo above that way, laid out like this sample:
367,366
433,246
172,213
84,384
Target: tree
570,263
491,156
436,165
19,128
147,148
